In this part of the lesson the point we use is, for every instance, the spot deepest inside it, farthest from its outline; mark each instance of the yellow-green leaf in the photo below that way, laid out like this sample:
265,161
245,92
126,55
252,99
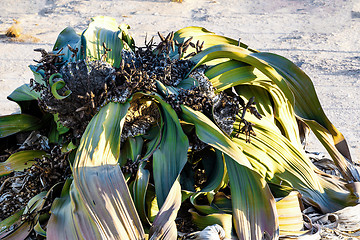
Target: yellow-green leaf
20,161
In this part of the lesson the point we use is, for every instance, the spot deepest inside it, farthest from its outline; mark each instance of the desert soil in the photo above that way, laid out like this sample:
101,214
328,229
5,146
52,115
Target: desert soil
321,36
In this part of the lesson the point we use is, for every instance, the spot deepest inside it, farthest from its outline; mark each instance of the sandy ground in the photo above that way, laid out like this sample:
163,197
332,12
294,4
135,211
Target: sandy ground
320,36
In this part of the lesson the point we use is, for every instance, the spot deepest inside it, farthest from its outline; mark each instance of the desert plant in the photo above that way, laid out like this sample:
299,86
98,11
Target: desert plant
198,117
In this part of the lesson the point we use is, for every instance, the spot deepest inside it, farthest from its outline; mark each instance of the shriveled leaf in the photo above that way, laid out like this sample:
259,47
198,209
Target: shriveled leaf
349,220
12,124
346,167
313,234
20,161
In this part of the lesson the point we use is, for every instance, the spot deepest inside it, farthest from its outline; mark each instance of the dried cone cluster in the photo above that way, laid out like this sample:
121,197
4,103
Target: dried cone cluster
18,188
95,83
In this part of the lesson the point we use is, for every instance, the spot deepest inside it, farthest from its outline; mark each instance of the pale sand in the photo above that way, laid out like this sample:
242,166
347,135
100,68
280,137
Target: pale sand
320,36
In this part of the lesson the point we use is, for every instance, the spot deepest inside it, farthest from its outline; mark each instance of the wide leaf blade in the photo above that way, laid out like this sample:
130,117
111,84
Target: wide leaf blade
281,163
12,124
164,226
20,161
103,30
68,37
170,157
308,107
242,55
253,204
24,93
70,218
99,179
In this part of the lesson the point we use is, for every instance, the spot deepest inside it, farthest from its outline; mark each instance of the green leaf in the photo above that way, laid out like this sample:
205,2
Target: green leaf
38,74
231,73
59,127
8,222
59,84
154,138
215,170
209,38
217,203
24,93
68,36
70,218
171,155
27,99
280,162
242,55
103,30
224,67
15,123
98,177
273,103
209,133
253,204
164,226
20,229
223,219
20,161
131,150
20,232
139,192
188,83
39,230
307,106
151,203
